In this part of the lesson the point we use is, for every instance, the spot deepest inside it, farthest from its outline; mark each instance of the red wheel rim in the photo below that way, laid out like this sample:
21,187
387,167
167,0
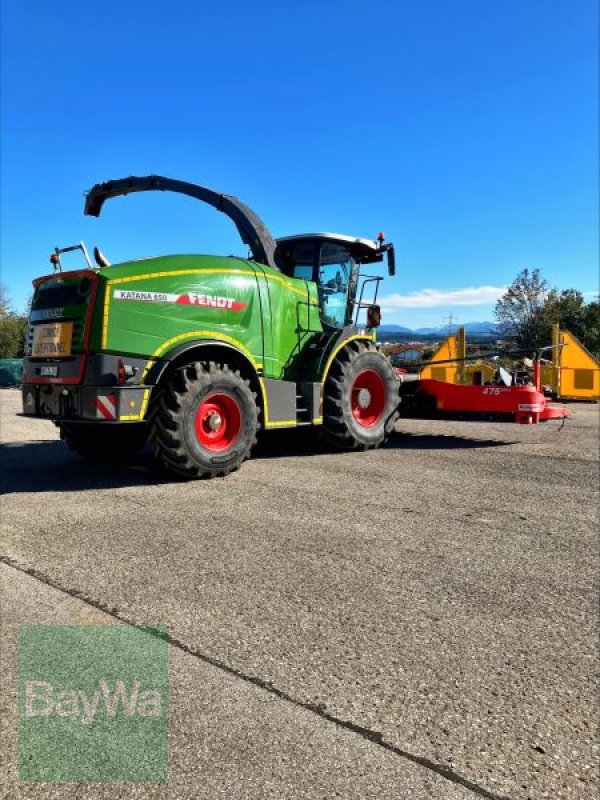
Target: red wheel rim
367,398
218,421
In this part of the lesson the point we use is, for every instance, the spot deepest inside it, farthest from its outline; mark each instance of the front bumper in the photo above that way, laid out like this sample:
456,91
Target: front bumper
106,404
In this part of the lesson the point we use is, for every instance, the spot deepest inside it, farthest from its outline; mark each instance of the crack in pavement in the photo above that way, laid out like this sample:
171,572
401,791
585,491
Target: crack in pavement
318,710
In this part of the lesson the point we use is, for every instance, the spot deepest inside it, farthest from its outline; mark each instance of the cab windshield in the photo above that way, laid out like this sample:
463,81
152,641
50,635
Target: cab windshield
335,275
331,267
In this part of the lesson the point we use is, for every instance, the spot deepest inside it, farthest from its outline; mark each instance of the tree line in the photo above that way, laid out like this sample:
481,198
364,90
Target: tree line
527,310
13,328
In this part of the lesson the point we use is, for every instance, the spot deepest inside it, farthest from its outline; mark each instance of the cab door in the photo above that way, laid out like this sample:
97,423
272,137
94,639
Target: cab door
331,267
336,284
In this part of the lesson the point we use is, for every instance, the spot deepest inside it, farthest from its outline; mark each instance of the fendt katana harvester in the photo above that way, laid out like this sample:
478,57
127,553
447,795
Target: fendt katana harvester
199,352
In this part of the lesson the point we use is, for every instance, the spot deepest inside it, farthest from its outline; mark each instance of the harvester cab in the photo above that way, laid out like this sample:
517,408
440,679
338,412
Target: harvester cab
333,261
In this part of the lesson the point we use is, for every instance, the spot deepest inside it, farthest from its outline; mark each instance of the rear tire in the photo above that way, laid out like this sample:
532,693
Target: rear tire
204,422
104,442
360,398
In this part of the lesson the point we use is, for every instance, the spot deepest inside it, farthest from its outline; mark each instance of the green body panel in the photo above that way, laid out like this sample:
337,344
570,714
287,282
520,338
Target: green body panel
147,308
291,321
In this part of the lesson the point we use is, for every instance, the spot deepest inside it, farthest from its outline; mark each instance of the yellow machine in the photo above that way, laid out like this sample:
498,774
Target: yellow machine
574,373
455,347
447,351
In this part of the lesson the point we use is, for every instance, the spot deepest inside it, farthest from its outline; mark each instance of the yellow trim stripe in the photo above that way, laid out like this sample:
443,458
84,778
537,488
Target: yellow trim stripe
199,335
220,337
265,401
145,403
287,285
170,273
105,316
173,273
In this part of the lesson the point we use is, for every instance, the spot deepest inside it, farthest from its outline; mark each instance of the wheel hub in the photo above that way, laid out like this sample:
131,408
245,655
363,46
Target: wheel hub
368,398
214,421
218,421
364,398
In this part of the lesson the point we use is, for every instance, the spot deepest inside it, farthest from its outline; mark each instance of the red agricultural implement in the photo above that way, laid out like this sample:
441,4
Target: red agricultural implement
502,401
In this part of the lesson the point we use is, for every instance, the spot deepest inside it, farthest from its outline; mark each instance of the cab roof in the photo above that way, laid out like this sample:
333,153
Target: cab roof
363,250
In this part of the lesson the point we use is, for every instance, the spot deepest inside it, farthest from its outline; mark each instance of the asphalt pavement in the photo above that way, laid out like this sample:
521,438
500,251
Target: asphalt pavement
414,622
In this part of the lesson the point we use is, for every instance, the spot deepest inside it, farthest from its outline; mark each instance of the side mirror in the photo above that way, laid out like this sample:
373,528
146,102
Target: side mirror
391,259
373,317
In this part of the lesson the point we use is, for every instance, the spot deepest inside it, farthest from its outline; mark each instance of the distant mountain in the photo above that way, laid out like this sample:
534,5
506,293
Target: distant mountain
442,331
481,327
394,329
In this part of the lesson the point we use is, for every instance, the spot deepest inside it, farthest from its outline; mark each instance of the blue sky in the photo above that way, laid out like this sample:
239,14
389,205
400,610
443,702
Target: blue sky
466,130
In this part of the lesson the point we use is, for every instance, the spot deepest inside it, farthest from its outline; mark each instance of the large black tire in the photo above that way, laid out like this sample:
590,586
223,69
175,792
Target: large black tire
360,398
99,441
204,422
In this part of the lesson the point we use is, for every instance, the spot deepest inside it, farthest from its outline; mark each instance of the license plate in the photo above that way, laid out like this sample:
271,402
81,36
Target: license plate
49,372
52,341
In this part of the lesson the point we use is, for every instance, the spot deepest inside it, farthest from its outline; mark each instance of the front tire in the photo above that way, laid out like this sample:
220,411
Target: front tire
204,423
360,399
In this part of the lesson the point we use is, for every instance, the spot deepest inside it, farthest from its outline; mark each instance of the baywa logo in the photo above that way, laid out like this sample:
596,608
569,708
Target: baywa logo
93,703
40,702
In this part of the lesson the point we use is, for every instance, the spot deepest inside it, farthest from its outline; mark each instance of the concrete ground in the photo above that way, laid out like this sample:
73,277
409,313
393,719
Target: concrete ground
415,622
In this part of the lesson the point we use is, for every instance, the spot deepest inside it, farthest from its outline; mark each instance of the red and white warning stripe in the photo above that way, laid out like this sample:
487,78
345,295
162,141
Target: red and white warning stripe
106,406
